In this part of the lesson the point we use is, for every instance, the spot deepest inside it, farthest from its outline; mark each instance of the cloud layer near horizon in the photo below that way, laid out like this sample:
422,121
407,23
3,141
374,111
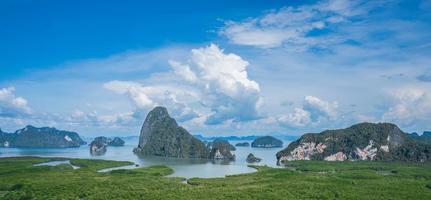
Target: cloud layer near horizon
289,70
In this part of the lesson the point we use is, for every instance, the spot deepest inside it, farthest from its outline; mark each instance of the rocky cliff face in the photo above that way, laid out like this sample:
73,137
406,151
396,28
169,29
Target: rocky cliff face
44,137
161,136
221,150
267,142
98,145
252,159
6,139
364,141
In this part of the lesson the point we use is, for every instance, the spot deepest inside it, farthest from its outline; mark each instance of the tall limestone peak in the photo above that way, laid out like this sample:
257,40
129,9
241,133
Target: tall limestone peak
161,136
156,119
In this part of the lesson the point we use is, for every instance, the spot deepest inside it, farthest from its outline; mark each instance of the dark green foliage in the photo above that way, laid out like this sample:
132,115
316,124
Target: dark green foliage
161,136
401,146
310,180
98,145
221,149
116,142
45,137
424,138
252,159
242,144
267,142
219,142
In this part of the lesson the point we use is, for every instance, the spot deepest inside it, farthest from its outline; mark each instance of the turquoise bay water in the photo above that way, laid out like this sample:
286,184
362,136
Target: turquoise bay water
183,167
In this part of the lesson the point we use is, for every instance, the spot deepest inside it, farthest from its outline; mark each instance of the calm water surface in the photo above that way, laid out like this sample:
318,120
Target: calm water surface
183,167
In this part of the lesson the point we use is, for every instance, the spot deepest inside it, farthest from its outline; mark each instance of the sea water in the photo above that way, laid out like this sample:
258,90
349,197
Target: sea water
182,167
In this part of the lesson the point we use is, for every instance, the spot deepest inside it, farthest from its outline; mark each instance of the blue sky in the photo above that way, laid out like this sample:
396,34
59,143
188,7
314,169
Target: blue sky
221,68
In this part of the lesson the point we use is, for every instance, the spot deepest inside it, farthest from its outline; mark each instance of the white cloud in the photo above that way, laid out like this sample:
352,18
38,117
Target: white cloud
79,117
144,98
291,26
319,108
299,118
211,81
10,105
183,70
313,111
224,84
412,107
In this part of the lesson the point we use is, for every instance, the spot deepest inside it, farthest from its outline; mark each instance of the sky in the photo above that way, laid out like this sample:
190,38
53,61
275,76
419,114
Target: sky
220,67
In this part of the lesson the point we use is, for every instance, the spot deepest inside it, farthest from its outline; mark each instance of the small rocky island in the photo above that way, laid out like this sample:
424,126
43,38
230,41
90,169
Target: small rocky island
162,136
44,137
221,150
99,144
242,144
267,142
364,141
116,142
252,159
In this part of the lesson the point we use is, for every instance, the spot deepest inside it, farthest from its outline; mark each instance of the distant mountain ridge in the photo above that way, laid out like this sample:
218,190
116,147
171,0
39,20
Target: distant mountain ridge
424,138
364,141
210,138
44,137
248,137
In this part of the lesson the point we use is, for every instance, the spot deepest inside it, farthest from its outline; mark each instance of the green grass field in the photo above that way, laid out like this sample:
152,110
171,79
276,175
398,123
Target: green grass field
19,179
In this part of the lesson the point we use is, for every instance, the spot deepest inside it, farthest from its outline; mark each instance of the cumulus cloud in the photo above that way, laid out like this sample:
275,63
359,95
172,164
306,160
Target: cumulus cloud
93,118
12,106
313,111
412,107
299,118
319,108
144,98
294,26
223,82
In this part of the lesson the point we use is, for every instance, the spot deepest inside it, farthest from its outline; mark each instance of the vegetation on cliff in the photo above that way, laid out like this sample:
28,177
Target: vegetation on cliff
162,136
266,142
220,149
44,137
364,141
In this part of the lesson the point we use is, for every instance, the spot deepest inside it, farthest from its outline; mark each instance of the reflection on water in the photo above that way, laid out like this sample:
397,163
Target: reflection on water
55,163
182,167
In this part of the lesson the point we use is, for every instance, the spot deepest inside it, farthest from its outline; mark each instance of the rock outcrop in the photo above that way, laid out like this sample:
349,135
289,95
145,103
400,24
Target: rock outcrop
252,159
44,137
116,141
221,150
98,145
267,142
242,144
424,138
364,141
5,139
161,136
218,142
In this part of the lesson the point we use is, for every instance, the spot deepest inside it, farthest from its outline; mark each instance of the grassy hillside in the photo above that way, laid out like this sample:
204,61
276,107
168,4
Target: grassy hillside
19,179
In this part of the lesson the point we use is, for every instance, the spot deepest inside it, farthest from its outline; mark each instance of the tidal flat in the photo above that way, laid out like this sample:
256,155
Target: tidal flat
21,179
